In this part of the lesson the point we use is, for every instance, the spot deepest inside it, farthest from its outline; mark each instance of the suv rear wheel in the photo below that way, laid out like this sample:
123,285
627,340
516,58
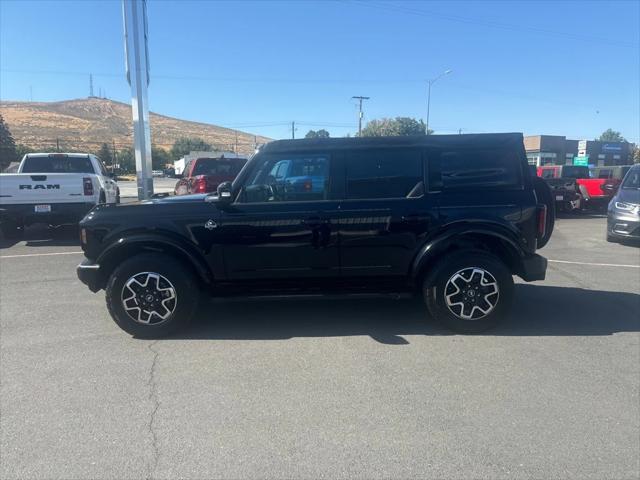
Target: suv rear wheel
472,292
152,295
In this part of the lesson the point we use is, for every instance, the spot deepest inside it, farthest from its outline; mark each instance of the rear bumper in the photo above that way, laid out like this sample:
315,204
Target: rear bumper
89,274
60,213
534,267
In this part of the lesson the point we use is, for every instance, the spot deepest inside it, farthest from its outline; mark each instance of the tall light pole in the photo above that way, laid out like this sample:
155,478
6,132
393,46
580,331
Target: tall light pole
431,82
360,113
134,13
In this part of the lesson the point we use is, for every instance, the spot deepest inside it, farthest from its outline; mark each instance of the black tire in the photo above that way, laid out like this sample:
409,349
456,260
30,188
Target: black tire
182,281
545,196
611,238
102,198
118,195
11,230
462,263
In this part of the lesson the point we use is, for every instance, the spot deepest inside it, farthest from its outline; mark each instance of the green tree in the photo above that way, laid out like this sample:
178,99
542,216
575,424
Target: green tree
635,154
105,155
184,145
322,133
126,160
394,127
159,158
22,150
7,146
611,136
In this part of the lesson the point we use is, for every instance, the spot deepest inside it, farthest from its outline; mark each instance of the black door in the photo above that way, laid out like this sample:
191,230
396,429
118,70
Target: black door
282,225
386,212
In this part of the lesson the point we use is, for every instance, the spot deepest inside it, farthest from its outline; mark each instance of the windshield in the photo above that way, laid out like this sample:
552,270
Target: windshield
575,172
632,180
218,166
57,165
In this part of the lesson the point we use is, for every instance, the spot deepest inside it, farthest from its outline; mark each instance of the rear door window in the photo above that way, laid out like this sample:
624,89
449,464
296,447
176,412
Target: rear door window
383,173
61,164
475,169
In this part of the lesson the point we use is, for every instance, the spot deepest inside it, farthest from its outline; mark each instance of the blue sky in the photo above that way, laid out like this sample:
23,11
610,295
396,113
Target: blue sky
564,68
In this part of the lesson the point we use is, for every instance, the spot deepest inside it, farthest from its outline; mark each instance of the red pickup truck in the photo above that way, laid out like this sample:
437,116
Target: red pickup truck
578,186
203,175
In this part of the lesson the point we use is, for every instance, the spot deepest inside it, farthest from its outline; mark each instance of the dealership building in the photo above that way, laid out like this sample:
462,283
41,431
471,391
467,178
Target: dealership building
558,150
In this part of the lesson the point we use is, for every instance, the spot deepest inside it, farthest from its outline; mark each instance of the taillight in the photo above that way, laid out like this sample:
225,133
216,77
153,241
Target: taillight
542,220
87,185
308,186
199,184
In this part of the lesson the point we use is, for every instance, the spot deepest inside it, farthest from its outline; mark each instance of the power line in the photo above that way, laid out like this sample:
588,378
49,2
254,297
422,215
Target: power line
490,23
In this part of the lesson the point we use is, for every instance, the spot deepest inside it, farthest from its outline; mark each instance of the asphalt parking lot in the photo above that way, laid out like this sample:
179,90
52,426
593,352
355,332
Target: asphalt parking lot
340,389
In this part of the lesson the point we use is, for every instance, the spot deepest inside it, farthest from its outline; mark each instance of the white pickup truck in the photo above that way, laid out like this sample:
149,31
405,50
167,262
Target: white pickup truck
53,188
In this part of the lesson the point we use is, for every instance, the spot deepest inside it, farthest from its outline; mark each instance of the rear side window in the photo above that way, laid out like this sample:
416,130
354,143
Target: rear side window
572,171
57,165
473,169
218,166
391,173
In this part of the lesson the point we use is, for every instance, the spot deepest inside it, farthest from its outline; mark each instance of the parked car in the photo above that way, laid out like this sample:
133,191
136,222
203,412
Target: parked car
203,175
450,217
53,188
611,177
563,181
623,216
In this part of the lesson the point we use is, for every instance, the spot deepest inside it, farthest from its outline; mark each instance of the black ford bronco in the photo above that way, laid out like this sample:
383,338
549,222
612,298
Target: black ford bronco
451,217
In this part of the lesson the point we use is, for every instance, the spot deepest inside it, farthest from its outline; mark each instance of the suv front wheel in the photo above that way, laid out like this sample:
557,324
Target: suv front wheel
152,295
472,292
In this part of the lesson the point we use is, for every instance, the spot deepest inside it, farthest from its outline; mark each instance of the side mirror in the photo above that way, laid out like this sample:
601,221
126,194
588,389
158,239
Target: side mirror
224,192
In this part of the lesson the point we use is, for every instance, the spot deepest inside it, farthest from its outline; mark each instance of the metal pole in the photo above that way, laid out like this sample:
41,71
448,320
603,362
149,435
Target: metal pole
137,64
293,130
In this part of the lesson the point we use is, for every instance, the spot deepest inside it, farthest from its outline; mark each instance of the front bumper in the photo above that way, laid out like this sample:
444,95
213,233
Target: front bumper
534,267
623,224
89,274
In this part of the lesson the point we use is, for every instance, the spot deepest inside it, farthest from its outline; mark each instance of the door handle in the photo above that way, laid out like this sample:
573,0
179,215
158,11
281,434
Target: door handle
413,218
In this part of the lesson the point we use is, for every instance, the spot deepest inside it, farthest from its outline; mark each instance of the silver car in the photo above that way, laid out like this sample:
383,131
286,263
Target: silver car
623,216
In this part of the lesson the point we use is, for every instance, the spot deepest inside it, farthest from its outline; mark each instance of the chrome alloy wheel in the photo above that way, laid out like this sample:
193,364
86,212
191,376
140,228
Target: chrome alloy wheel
149,298
471,293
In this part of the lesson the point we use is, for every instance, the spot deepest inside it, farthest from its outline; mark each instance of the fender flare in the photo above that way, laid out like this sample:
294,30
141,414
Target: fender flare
157,242
441,242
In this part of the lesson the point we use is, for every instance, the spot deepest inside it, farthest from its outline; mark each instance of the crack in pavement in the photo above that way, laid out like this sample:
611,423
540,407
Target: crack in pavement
153,397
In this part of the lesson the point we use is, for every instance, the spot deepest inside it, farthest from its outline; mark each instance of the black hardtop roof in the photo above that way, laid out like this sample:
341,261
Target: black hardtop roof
476,140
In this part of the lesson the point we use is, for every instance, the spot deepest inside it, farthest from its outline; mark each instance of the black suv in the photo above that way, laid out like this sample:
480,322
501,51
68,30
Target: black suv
452,217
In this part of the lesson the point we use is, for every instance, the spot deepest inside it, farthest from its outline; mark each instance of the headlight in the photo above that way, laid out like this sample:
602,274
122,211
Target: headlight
627,207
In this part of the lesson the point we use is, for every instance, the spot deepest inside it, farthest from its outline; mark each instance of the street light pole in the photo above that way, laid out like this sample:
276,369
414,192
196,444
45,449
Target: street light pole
431,82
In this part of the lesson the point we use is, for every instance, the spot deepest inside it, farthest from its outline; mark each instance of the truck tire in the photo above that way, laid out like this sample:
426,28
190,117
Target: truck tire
545,197
472,291
102,198
11,230
152,295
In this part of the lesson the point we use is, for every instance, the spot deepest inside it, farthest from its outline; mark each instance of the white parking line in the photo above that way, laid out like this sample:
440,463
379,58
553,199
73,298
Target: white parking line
41,254
595,264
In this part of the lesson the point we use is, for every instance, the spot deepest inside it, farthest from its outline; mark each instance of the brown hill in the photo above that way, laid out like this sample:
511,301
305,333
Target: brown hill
85,124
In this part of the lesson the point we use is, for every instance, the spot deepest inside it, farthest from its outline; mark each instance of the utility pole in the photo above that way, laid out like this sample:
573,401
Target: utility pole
293,130
360,99
30,93
137,66
57,144
90,85
459,131
236,149
114,159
